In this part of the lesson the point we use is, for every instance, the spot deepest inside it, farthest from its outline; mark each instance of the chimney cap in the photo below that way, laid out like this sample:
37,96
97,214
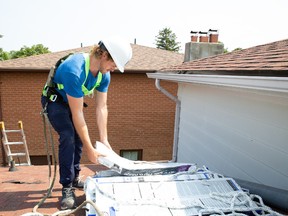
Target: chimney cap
213,30
194,32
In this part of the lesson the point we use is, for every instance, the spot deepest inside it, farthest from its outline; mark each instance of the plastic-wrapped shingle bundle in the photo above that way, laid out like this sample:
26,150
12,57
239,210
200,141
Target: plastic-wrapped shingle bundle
139,189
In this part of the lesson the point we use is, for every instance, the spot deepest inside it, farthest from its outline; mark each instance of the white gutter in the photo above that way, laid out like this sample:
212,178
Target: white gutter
177,118
279,84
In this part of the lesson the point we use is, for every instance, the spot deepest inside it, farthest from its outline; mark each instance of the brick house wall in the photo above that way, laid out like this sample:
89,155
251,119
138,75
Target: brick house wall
140,117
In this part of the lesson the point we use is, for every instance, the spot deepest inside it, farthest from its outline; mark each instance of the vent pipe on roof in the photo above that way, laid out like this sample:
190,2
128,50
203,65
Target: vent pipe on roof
177,118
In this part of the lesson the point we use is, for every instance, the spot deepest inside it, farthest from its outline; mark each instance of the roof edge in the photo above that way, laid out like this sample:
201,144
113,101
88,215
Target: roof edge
47,70
24,70
278,84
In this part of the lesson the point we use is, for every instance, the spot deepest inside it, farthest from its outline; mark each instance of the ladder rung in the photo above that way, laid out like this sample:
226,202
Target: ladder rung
22,164
9,131
17,154
13,143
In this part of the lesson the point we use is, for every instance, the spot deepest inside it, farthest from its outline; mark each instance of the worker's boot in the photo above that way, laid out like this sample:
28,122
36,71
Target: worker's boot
68,198
77,183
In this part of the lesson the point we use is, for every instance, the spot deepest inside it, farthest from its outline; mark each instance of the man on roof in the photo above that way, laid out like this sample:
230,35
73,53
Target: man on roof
76,76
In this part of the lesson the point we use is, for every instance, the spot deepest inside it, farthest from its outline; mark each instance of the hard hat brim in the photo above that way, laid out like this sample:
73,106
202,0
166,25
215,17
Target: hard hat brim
118,65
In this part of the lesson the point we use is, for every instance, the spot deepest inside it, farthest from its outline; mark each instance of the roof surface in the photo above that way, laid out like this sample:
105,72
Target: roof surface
23,189
144,59
267,57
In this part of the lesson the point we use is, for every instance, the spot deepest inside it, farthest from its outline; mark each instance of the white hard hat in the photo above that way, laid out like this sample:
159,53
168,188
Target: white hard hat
120,51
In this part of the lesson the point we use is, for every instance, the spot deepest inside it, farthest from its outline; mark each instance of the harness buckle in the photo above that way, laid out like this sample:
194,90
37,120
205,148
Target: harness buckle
53,97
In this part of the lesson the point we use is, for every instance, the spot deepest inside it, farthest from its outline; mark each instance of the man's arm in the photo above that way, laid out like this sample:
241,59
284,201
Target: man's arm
102,117
76,107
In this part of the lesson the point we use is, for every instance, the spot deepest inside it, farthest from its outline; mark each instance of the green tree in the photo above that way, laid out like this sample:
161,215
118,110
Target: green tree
29,51
227,51
166,40
4,55
237,49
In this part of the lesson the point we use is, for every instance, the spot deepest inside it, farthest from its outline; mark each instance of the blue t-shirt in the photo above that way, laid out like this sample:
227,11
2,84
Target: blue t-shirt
71,73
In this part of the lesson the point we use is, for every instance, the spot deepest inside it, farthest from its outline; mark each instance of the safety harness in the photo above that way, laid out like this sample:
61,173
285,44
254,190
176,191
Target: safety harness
50,88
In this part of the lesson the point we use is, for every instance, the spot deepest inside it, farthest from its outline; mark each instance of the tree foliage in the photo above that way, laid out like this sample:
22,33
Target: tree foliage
166,40
227,51
29,51
237,49
4,55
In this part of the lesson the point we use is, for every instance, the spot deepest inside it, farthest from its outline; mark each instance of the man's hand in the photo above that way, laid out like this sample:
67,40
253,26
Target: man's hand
106,143
93,155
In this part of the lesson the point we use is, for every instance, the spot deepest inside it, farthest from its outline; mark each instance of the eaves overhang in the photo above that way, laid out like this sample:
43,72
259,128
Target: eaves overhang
14,69
135,71
279,84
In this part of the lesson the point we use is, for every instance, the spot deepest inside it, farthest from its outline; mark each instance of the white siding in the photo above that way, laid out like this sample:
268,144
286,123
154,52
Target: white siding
237,132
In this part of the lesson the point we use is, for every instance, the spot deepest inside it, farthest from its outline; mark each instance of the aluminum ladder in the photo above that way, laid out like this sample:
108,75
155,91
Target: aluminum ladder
7,145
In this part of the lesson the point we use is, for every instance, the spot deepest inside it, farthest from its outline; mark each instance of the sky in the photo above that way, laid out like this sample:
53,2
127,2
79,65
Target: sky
68,24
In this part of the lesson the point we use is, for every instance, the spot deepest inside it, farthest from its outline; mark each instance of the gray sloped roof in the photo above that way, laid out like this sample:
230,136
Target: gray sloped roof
144,59
262,59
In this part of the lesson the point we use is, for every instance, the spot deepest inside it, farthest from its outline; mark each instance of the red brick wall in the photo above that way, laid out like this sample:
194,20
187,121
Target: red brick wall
140,116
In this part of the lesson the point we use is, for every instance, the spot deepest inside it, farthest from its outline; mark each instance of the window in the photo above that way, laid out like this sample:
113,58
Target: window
40,159
132,154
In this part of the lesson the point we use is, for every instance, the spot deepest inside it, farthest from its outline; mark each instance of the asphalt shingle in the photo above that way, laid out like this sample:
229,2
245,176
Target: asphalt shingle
143,59
267,57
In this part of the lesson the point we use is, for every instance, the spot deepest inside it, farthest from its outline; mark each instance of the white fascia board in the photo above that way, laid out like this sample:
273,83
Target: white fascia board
279,84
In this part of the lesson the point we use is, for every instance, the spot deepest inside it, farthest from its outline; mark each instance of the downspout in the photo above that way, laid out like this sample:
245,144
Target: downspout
177,118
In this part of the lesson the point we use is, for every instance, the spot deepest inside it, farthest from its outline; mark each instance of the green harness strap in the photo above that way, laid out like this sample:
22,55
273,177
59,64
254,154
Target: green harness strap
87,67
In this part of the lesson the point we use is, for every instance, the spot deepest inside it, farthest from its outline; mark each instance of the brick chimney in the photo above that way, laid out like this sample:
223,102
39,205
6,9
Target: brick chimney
194,36
213,36
202,45
204,37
